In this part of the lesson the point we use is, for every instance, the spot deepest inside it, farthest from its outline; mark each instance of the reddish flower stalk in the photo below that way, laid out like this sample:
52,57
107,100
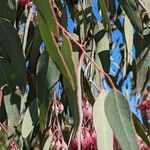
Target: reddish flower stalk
3,127
82,48
13,145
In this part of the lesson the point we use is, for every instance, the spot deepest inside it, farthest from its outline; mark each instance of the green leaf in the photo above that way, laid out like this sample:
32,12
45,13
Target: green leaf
7,74
30,119
64,62
130,7
33,50
146,4
13,50
102,46
12,104
54,51
86,89
46,10
102,127
47,76
128,31
105,17
66,50
140,129
8,9
47,143
119,117
142,69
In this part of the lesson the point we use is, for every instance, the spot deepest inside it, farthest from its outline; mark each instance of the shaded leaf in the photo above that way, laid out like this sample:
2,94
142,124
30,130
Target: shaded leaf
47,76
130,7
140,129
86,89
30,119
54,51
8,9
142,69
13,50
45,9
106,21
119,117
102,127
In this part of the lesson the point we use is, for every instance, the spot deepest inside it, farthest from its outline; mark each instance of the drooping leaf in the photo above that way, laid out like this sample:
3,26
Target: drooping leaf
30,119
12,104
119,117
140,129
102,127
128,30
47,143
13,50
63,63
7,74
105,17
34,50
130,7
102,46
8,9
54,51
45,9
47,76
142,69
86,89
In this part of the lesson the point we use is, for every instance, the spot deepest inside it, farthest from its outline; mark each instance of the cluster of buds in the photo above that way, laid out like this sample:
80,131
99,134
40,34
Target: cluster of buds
58,142
88,134
144,105
142,145
25,2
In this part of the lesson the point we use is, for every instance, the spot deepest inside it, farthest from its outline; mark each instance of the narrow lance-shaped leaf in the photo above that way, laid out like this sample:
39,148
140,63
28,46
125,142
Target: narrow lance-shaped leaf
12,103
54,51
73,94
130,7
13,50
102,127
8,9
30,119
128,30
47,76
140,129
45,9
106,21
119,117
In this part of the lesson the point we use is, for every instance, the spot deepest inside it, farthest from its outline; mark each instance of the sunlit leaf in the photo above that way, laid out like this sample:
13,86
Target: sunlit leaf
47,143
128,30
119,117
102,127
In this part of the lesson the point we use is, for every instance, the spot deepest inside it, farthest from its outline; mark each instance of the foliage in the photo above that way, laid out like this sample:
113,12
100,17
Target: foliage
63,88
